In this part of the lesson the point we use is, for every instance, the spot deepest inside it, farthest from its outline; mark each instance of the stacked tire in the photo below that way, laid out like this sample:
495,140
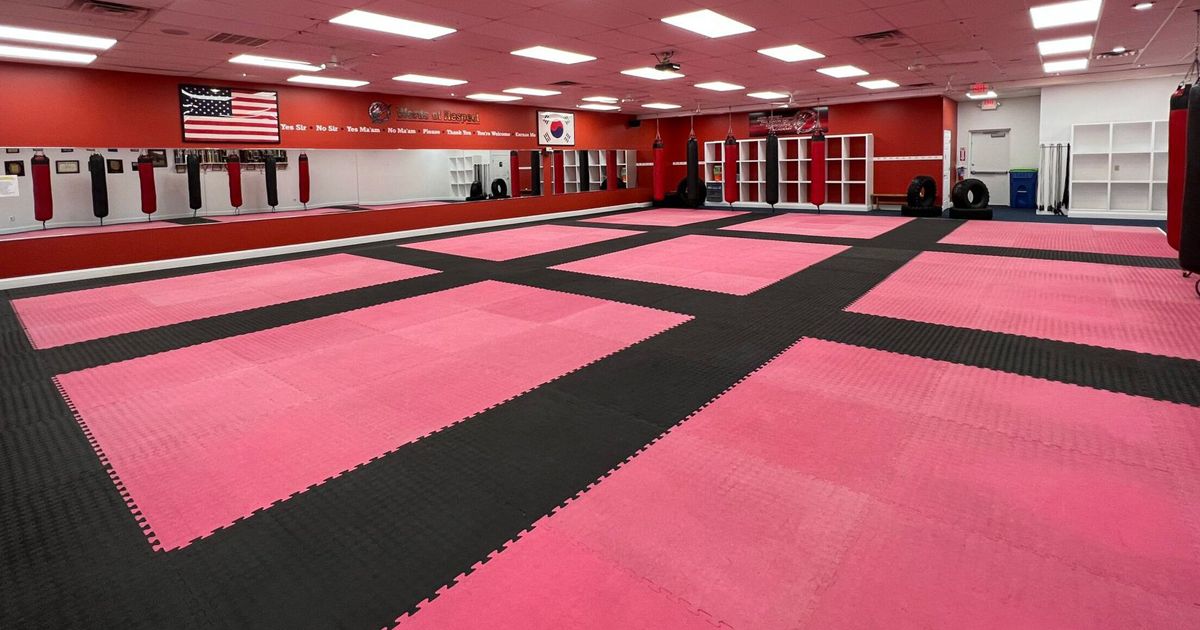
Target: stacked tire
970,198
921,198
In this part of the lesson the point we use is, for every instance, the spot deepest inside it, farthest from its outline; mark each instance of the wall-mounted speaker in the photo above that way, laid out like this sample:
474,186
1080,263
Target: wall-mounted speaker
635,122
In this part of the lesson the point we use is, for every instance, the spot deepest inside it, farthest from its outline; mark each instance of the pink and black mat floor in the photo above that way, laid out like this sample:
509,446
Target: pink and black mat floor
644,421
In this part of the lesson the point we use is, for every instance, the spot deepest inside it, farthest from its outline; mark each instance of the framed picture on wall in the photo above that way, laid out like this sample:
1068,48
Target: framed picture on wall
556,129
12,150
14,167
222,114
115,166
158,157
66,167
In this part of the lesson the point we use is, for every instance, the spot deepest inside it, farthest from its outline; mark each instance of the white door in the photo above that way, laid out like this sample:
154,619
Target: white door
989,161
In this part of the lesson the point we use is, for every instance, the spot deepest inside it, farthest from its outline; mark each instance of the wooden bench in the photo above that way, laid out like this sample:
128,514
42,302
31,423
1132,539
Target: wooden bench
878,198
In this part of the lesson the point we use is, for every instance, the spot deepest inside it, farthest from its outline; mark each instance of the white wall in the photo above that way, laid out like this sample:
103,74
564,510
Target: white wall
1021,116
1116,101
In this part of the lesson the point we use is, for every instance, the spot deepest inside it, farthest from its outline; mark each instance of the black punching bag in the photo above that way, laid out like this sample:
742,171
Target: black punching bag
1189,233
772,170
97,169
695,189
272,182
193,179
585,172
535,167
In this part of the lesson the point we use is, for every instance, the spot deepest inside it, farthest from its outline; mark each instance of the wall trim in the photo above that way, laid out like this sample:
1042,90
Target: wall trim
191,261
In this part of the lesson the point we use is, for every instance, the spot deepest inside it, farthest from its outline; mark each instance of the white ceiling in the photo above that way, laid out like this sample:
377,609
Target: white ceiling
955,41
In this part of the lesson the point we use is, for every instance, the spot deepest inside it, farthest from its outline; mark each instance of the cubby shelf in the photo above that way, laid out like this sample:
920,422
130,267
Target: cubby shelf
1118,170
597,167
846,155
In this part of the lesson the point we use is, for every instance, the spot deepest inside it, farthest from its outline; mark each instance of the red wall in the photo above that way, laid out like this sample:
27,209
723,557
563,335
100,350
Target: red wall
73,107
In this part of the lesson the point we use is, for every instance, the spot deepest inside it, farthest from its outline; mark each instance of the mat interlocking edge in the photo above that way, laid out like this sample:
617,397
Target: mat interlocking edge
364,548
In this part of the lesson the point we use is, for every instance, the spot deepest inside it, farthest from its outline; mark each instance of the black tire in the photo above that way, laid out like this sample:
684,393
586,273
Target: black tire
499,189
476,192
685,197
977,214
970,194
922,192
620,184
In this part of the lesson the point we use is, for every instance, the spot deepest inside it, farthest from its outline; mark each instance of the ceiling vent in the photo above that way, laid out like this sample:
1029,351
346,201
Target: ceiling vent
111,9
1112,54
238,40
883,39
565,83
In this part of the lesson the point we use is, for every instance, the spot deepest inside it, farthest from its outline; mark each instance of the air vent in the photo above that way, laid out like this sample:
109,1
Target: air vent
880,37
565,83
919,85
1113,55
111,9
238,40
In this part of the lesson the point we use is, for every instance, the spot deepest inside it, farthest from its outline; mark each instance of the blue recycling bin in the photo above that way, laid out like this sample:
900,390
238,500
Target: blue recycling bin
1022,188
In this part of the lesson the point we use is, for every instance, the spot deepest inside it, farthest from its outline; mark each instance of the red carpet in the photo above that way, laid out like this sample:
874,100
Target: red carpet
519,242
206,435
665,217
63,318
1099,239
831,225
711,263
841,487
1129,308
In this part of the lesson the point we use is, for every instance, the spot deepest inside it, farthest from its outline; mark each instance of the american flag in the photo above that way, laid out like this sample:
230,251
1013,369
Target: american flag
228,115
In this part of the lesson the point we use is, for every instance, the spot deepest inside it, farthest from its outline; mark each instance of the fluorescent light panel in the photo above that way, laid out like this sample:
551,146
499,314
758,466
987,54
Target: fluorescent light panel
1067,65
720,86
767,96
493,98
600,99
330,81
651,73
600,107
977,97
38,54
553,54
661,106
1064,13
708,23
879,84
272,62
389,24
1143,6
531,91
791,53
1082,43
428,80
54,38
843,72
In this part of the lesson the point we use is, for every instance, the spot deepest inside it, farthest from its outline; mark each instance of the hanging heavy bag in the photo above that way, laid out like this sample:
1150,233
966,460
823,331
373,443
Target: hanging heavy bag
695,188
305,185
149,192
659,173
816,184
43,193
1189,233
514,172
729,169
195,199
98,171
535,168
772,170
1177,152
272,179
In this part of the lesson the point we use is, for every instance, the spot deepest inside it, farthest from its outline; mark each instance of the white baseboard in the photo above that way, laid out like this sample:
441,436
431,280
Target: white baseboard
191,261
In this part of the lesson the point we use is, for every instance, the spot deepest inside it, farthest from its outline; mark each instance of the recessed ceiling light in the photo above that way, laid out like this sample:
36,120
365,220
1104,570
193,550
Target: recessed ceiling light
1142,6
271,62
708,23
1067,65
311,80
37,54
420,78
879,84
651,73
661,106
600,99
494,98
1119,49
531,91
842,72
1082,43
768,95
389,24
600,107
976,96
1063,13
720,86
794,52
35,36
553,54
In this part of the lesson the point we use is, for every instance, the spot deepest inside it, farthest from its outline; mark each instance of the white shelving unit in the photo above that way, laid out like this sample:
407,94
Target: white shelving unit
849,172
1119,170
462,175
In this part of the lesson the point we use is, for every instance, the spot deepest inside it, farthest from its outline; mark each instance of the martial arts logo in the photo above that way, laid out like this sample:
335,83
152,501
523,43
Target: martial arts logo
379,112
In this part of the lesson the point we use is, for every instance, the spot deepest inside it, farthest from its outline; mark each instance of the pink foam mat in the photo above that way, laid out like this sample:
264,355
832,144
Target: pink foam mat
1128,308
284,214
842,487
831,225
74,316
711,263
1099,239
93,229
519,242
665,217
206,435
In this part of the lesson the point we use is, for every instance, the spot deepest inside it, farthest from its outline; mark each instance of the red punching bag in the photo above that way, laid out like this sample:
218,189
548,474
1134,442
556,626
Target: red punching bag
816,170
659,174
560,173
729,169
1176,163
514,173
614,174
43,196
305,186
146,181
234,166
